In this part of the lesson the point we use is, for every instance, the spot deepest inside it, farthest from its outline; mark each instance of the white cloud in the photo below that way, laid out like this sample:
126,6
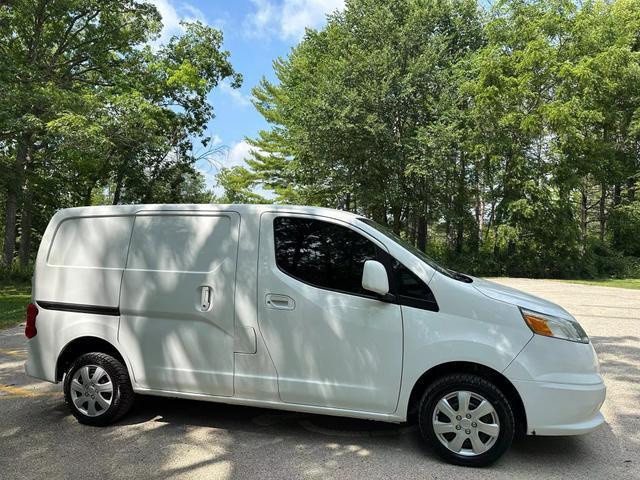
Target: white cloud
288,18
193,12
222,156
238,153
234,156
172,14
236,95
259,21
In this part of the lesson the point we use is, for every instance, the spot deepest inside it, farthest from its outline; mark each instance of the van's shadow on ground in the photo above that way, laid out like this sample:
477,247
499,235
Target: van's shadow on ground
234,418
162,438
241,418
162,424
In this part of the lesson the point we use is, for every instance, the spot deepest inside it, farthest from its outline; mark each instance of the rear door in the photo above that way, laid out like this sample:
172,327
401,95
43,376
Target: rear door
333,343
177,301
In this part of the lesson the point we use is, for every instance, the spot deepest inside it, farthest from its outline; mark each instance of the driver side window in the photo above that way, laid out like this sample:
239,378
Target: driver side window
330,256
322,254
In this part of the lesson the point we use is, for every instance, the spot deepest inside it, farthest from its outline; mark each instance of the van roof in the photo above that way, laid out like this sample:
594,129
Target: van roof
243,209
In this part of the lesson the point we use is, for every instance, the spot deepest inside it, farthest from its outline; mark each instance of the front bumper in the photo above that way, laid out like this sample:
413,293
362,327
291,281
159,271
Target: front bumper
560,387
561,409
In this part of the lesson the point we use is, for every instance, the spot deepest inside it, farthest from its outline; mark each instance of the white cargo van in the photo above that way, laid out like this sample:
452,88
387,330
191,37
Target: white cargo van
304,309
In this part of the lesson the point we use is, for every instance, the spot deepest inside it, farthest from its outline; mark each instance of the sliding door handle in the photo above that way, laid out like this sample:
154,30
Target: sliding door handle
280,302
205,298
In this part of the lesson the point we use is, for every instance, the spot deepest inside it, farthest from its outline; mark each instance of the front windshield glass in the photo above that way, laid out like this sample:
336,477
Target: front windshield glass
417,252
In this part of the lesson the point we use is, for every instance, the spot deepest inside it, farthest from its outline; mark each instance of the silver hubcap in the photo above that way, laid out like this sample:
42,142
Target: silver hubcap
466,423
91,390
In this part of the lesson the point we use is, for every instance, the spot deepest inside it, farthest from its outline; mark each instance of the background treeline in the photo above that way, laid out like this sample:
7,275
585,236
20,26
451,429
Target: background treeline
503,141
92,113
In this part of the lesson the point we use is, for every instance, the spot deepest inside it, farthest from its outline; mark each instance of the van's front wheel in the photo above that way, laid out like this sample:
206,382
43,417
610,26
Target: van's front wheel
466,419
97,389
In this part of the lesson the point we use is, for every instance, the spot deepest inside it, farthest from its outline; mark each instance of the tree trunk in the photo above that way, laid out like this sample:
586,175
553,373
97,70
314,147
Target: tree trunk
25,228
11,209
118,192
617,199
379,214
493,225
603,220
87,196
397,213
459,236
15,184
617,196
583,219
412,224
422,233
460,205
479,213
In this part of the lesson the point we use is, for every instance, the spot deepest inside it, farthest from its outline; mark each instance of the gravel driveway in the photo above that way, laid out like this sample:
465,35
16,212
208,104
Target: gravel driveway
165,438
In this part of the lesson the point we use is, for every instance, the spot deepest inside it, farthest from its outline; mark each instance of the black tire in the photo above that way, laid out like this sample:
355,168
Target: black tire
472,383
121,398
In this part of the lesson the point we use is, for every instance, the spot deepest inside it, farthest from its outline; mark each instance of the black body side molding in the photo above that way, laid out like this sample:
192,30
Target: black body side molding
80,308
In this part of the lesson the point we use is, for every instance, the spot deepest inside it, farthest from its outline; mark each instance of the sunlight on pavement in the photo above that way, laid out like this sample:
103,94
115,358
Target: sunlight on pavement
11,391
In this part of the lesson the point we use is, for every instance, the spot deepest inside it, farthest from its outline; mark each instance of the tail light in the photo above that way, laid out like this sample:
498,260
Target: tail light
30,329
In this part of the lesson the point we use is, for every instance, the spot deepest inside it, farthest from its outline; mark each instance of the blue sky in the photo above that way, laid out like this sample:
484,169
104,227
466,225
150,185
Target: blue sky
255,33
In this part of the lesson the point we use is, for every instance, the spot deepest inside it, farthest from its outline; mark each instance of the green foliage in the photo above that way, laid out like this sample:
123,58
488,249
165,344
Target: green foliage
90,113
625,221
16,275
504,141
238,183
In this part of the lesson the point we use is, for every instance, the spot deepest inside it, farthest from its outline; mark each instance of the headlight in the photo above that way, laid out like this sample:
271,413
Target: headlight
555,327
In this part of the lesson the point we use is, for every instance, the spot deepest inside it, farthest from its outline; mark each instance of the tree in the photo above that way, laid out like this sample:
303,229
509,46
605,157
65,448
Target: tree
352,100
504,140
238,184
51,51
88,107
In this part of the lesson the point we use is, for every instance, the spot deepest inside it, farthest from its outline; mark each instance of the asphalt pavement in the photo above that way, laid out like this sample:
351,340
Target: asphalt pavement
166,438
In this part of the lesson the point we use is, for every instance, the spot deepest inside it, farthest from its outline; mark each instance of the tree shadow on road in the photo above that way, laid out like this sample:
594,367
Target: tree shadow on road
165,437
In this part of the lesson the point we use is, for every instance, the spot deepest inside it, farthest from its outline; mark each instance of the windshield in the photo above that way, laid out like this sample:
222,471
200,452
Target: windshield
417,252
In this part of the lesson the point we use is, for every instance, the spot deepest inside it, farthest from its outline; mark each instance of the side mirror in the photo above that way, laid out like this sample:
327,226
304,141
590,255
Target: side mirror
374,277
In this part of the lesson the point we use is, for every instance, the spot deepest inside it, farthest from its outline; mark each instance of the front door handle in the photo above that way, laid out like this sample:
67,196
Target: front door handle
205,298
280,302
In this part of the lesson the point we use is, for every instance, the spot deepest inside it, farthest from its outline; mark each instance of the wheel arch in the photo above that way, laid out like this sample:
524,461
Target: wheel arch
483,371
81,345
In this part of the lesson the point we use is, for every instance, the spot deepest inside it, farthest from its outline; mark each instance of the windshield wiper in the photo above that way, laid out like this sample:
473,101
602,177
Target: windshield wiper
461,277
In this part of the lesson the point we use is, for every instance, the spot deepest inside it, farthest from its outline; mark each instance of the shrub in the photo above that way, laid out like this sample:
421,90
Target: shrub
16,274
624,222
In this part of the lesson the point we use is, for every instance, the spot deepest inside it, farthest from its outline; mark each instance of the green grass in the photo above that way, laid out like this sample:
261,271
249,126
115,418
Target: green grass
633,283
13,304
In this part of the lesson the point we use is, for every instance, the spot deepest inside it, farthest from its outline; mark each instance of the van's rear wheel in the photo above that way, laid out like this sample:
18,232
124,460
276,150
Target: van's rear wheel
97,389
466,419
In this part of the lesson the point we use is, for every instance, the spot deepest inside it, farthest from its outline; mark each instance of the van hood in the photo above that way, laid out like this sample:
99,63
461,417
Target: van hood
516,297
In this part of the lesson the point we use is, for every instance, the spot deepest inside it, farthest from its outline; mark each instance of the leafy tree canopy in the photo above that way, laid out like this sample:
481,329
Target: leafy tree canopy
92,112
504,140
